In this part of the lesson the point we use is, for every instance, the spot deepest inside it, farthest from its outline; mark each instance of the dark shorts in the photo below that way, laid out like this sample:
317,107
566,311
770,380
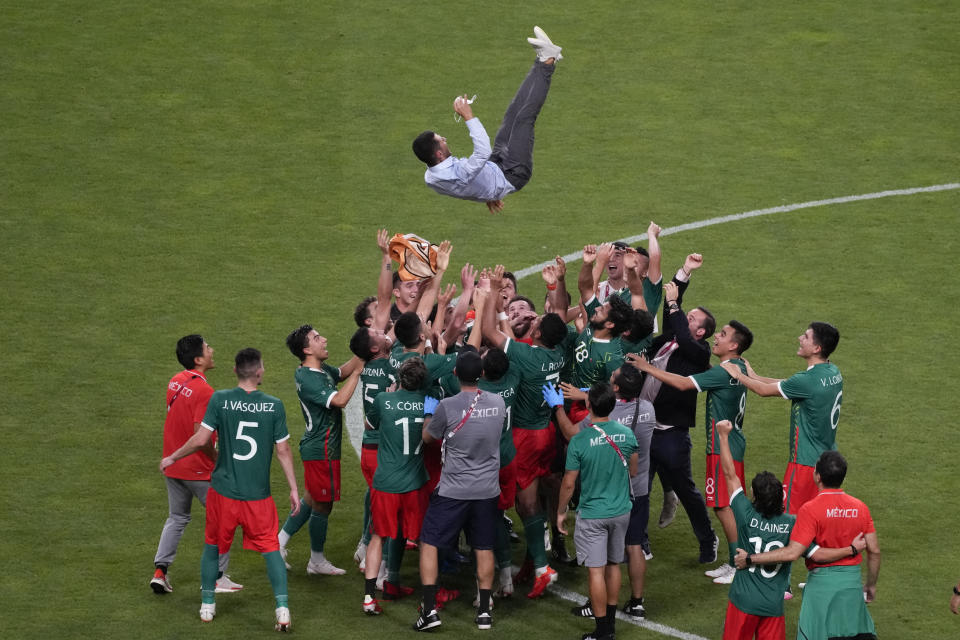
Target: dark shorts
447,516
639,517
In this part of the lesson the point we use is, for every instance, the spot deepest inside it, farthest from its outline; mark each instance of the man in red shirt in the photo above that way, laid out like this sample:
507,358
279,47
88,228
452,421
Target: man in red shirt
187,396
834,601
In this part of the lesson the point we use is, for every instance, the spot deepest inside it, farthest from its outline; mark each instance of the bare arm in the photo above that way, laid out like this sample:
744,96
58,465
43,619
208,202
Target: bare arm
766,389
873,566
786,554
566,492
653,239
197,441
724,427
826,556
425,306
585,281
208,449
556,290
604,253
491,332
285,456
384,282
351,365
343,395
634,463
683,383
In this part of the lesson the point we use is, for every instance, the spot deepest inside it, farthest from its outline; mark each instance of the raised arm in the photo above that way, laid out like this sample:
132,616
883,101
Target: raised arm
344,393
724,427
491,332
604,253
384,282
585,281
429,297
285,456
481,298
653,239
556,289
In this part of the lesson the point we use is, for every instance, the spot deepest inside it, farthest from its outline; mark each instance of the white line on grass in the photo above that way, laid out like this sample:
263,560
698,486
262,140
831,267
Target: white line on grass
355,411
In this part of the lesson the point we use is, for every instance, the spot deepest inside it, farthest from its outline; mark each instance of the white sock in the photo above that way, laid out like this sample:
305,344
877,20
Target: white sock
317,557
284,538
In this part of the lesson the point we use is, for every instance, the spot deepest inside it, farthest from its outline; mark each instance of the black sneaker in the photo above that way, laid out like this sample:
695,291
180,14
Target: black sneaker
583,611
560,553
427,621
708,550
593,635
484,620
634,607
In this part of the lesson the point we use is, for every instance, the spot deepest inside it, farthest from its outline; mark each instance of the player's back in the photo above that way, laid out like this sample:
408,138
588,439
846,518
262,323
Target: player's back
537,366
817,394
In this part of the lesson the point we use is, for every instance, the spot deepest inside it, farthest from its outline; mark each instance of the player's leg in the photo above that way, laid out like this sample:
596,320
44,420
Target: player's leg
324,489
294,523
718,498
258,519
224,583
218,536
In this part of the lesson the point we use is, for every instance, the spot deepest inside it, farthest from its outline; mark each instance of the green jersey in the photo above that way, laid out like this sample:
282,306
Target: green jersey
438,367
759,590
376,376
247,425
594,359
816,394
604,477
652,297
398,416
324,423
506,388
726,400
537,366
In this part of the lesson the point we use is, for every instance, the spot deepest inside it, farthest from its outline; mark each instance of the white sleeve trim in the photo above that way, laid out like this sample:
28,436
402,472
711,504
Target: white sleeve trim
694,381
780,389
506,345
283,439
330,399
682,276
592,298
813,550
206,426
734,494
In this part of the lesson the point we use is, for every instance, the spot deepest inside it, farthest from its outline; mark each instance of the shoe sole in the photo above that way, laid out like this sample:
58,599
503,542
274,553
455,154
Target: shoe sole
226,590
484,626
159,588
282,628
427,627
373,612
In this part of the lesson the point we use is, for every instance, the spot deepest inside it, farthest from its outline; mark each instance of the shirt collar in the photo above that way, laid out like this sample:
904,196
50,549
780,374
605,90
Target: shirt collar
441,165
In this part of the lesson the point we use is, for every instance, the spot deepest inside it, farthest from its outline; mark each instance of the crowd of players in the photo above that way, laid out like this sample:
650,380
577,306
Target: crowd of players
484,404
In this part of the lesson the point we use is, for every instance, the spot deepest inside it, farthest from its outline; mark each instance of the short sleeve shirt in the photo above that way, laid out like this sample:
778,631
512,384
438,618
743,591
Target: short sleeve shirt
726,400
324,422
398,417
646,420
759,590
506,388
438,367
187,396
537,366
593,359
471,454
604,478
832,520
248,425
815,395
376,376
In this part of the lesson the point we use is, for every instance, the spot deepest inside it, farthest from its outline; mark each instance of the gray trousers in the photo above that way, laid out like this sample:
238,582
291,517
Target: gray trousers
180,495
513,146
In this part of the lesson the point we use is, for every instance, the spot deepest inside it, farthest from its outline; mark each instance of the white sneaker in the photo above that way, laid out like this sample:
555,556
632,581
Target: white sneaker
506,583
207,611
544,46
226,585
726,578
669,509
283,554
722,570
283,619
323,567
381,575
360,554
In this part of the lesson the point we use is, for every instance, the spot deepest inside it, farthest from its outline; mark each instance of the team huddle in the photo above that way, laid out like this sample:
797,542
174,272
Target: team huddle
482,404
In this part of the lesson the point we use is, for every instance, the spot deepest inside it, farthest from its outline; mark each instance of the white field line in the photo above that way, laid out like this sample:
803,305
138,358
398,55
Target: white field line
354,417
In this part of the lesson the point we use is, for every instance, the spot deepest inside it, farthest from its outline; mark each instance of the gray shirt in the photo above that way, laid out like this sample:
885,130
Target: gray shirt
623,412
471,456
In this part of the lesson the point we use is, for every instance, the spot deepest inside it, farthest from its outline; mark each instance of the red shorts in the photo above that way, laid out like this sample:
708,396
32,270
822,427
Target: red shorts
715,486
508,486
257,518
368,462
798,487
746,626
390,511
431,461
322,479
578,411
536,449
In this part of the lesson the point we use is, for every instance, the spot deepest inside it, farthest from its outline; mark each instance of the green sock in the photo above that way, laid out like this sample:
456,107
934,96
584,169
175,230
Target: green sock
533,528
277,573
318,531
208,572
293,523
367,519
501,549
395,558
732,548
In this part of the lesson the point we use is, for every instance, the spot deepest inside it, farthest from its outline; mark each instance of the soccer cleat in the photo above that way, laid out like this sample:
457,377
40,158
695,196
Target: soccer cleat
446,595
410,545
207,611
647,553
513,534
160,583
484,620
283,554
544,46
669,509
427,621
583,611
726,578
788,594
560,553
542,581
634,607
371,607
722,570
506,583
360,554
226,585
708,550
594,635
393,591
283,619
324,567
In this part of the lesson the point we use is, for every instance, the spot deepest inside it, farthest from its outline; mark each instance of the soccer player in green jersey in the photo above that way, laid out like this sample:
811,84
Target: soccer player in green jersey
726,400
815,396
321,403
248,423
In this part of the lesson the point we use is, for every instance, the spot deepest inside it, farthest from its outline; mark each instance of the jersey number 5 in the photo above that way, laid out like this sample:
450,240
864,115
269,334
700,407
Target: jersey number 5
241,436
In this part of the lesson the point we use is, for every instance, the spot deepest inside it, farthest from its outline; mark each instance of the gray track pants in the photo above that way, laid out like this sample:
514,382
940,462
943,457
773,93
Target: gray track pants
180,495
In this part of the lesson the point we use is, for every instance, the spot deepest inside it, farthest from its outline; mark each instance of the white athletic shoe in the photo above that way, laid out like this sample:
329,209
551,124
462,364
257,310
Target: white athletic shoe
381,575
722,570
283,554
544,46
361,553
323,567
726,578
226,585
283,619
207,611
506,583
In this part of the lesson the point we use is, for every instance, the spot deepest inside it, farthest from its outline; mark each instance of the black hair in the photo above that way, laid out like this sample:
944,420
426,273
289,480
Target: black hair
495,364
742,336
360,344
642,251
362,312
602,399
408,329
523,299
767,494
629,381
425,147
552,330
247,362
825,336
508,275
412,374
620,315
641,325
396,280
297,340
709,323
189,348
832,468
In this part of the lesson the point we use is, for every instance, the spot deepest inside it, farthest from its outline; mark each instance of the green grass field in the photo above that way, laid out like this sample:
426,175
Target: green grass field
223,167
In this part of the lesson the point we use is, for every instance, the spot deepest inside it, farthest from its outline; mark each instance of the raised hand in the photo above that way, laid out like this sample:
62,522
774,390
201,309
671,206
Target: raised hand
653,231
443,255
693,261
590,254
383,241
495,206
561,268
